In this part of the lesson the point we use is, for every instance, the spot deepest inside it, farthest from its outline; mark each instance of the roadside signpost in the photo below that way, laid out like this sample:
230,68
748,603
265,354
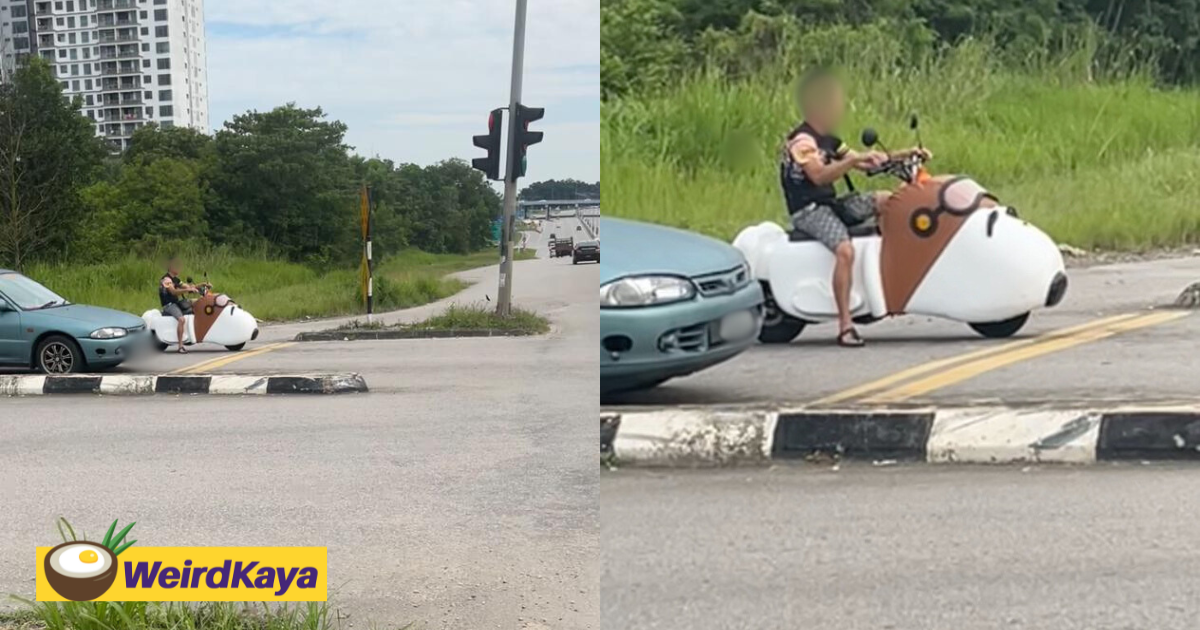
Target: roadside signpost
368,265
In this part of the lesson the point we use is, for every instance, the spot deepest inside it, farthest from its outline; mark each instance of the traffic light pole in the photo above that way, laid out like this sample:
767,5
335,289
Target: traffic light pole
504,303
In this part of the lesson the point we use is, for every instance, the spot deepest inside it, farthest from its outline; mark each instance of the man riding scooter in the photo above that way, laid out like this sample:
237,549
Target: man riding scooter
172,293
812,160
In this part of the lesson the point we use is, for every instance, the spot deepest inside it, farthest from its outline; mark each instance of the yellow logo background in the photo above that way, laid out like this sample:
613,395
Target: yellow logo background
288,558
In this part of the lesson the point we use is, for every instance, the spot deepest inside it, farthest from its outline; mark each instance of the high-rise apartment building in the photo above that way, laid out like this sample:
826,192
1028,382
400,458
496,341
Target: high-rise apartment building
132,62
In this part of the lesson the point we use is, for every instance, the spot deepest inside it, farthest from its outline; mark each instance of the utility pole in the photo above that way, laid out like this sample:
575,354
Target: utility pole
504,303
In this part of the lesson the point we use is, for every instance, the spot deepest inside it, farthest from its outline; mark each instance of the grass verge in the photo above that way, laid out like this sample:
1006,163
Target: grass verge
271,289
169,616
478,316
1104,163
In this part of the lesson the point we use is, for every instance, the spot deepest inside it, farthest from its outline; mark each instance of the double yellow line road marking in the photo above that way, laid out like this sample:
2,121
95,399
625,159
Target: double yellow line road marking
226,359
927,377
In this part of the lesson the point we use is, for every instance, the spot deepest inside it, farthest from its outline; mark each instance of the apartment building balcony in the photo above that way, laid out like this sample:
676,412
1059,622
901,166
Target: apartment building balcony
109,22
110,37
126,54
124,118
122,85
112,100
110,5
115,70
120,130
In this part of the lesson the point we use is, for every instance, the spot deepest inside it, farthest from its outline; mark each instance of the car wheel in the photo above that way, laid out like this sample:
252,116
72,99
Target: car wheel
159,345
1001,329
236,348
57,354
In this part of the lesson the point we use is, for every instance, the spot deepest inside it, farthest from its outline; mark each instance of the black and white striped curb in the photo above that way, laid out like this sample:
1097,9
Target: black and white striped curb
146,384
688,437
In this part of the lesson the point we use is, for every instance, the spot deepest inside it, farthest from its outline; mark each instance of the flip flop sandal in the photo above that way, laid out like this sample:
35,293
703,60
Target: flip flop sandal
182,350
850,338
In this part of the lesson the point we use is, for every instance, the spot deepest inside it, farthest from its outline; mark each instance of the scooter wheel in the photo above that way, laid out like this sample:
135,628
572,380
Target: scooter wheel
158,345
783,330
1001,329
236,348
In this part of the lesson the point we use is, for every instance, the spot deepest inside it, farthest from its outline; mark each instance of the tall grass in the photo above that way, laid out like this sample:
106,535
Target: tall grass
169,616
269,288
1097,159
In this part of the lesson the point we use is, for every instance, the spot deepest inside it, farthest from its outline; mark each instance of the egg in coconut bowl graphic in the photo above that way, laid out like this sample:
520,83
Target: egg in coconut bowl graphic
80,570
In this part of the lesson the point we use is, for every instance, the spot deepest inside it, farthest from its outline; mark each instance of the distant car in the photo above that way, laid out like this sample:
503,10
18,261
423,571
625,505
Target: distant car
41,330
585,251
671,303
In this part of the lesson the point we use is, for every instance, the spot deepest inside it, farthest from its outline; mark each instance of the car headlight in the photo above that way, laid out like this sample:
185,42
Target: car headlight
108,333
646,291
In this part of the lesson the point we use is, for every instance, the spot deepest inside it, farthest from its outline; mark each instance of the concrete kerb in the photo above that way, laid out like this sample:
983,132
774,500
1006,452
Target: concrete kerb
975,434
145,385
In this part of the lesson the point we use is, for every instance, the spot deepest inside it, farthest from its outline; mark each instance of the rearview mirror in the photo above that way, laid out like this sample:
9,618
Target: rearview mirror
869,137
912,122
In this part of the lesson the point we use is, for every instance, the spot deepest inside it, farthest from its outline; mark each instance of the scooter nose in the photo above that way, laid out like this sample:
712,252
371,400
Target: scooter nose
1058,288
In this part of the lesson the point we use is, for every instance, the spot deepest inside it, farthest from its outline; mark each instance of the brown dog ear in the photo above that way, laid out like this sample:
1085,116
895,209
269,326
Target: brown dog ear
915,231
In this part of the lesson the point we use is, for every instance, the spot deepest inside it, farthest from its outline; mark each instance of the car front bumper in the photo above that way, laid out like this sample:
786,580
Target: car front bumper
640,347
111,352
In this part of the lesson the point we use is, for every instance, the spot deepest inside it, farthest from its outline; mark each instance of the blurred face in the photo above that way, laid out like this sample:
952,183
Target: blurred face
824,103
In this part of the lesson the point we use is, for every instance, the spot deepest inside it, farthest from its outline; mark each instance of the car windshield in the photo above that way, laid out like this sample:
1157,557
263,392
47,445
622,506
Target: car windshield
27,294
589,244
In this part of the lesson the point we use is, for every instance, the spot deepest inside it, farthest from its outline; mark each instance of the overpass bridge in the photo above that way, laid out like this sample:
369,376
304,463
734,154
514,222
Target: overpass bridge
556,208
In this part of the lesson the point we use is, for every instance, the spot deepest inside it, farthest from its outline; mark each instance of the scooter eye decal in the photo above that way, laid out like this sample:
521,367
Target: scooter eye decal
923,222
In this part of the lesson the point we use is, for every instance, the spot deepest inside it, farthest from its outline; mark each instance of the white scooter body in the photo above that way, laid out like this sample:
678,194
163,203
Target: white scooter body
993,268
214,319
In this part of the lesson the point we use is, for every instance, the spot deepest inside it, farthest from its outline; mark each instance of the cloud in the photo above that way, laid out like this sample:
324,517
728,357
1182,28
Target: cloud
414,79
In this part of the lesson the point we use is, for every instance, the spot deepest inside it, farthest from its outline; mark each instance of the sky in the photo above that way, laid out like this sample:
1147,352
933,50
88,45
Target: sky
414,79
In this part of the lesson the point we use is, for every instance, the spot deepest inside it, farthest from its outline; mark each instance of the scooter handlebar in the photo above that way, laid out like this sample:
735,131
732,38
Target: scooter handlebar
899,168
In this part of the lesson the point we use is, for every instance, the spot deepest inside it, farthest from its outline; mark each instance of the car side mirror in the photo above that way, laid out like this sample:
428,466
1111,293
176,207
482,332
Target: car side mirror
869,137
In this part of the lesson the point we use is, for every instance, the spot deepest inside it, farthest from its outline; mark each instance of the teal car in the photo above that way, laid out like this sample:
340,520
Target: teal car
671,303
39,329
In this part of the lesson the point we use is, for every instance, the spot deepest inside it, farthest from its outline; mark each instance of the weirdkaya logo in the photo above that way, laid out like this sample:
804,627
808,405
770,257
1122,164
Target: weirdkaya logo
278,579
80,570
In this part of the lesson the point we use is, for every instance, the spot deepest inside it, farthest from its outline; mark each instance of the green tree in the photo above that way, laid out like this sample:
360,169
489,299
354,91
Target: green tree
152,142
284,177
640,44
152,205
559,189
48,152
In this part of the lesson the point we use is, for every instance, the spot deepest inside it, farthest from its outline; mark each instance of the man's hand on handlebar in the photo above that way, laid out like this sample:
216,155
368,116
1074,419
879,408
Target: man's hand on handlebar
922,152
869,161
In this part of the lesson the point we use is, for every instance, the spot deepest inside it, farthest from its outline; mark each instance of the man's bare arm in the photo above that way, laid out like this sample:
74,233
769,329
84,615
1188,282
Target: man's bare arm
804,151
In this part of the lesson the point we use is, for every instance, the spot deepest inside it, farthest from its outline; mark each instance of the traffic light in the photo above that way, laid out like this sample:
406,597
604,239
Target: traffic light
490,165
525,137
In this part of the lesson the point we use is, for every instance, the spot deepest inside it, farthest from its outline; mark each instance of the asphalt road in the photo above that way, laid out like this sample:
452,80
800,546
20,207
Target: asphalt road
905,548
1141,363
459,493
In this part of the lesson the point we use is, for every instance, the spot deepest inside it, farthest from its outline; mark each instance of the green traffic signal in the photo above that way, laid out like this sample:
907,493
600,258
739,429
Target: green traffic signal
525,137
